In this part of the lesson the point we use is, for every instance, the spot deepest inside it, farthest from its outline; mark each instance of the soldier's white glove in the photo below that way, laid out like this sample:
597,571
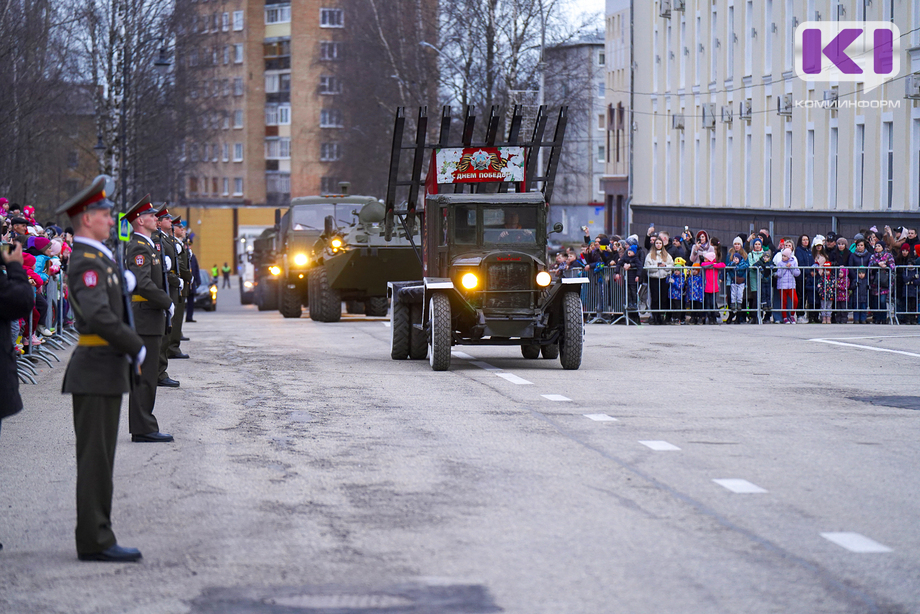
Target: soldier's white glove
140,356
178,248
181,284
172,311
130,281
168,262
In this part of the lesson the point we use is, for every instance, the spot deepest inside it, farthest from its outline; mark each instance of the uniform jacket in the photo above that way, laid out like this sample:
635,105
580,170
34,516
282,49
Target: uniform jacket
150,298
16,301
168,248
185,269
98,304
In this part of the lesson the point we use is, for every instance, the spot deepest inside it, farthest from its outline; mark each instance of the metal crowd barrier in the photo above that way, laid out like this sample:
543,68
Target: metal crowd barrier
34,353
841,294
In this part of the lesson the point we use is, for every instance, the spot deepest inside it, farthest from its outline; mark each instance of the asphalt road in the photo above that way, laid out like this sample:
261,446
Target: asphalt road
692,469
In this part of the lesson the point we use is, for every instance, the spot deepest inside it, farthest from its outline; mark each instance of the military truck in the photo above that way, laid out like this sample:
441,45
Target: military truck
354,264
485,279
264,260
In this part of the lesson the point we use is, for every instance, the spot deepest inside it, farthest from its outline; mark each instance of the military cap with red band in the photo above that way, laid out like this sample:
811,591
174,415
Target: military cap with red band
89,198
162,212
143,206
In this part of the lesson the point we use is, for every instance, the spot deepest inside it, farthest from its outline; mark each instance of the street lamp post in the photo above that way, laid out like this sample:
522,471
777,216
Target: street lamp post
464,101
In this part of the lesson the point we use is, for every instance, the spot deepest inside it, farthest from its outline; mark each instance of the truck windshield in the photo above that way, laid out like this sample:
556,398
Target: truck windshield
310,217
509,225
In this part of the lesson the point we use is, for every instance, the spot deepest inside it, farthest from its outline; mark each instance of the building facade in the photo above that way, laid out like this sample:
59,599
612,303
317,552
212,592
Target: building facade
619,105
728,138
575,77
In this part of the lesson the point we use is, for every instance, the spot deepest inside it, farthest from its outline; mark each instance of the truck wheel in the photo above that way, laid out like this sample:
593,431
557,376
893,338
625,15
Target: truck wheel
418,342
530,351
400,330
573,331
290,302
550,351
267,295
328,303
354,307
441,333
376,306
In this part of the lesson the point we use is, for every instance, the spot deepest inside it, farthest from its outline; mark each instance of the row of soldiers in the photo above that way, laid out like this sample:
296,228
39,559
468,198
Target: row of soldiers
129,315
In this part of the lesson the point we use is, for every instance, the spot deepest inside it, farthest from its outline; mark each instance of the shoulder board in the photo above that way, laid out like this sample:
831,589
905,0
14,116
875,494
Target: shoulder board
89,255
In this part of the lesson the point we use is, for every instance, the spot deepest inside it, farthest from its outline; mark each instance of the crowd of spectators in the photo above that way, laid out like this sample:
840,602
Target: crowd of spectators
822,279
45,252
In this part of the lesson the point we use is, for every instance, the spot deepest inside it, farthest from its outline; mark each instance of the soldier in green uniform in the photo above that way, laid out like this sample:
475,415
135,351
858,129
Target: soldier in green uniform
151,306
185,274
168,253
98,373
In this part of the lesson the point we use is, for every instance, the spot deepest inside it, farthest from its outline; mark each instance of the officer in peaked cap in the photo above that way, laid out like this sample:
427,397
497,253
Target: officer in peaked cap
151,306
98,373
185,274
167,248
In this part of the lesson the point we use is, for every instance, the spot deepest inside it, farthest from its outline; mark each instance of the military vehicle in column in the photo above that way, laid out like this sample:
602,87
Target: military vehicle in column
485,277
265,271
354,264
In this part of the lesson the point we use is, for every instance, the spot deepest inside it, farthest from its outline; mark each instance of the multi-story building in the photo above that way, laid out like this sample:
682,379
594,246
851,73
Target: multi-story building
264,72
575,77
728,138
619,74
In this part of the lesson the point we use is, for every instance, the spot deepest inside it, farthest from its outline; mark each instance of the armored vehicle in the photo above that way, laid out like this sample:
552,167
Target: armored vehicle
485,279
354,264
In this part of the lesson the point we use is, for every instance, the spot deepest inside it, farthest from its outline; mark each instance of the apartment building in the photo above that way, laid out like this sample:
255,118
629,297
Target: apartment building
575,77
617,122
264,73
728,138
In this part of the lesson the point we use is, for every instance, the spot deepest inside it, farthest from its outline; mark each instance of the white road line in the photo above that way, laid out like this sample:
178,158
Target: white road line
484,365
461,355
854,542
600,417
659,446
387,324
864,347
555,397
514,379
742,487
870,337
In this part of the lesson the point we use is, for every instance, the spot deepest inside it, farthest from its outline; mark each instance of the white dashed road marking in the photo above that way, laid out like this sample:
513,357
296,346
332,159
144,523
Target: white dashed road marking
555,397
659,446
600,417
484,365
387,324
854,542
742,487
514,379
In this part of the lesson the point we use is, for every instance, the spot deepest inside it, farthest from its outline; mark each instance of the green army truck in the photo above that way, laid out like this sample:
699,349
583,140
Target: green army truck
485,279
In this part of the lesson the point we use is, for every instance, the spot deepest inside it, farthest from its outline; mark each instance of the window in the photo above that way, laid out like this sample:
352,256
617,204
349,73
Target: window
227,52
600,89
329,50
215,22
887,164
767,37
329,152
713,48
214,186
696,180
681,168
601,123
600,153
768,170
284,114
237,119
859,165
194,149
237,152
601,58
225,87
278,14
215,153
207,153
328,185
787,202
331,18
748,39
277,182
832,171
271,115
238,53
790,33
226,191
712,168
193,186
655,171
225,22
237,186
810,169
729,171
238,86
237,21
730,44
277,82
278,148
329,85
748,145
204,186
330,118
226,155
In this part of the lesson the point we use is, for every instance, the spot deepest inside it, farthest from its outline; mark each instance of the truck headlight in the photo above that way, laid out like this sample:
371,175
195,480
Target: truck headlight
247,284
544,279
301,259
469,281
275,270
336,243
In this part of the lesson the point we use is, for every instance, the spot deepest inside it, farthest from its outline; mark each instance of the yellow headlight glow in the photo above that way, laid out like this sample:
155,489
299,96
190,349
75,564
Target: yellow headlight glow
544,279
469,281
301,259
274,270
336,243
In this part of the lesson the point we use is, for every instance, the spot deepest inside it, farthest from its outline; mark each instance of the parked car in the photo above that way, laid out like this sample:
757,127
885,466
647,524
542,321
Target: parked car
206,293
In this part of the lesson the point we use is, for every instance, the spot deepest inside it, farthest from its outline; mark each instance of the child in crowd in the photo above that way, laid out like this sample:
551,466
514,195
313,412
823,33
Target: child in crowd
695,291
760,278
786,272
676,286
738,275
826,289
881,266
712,269
841,296
861,296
